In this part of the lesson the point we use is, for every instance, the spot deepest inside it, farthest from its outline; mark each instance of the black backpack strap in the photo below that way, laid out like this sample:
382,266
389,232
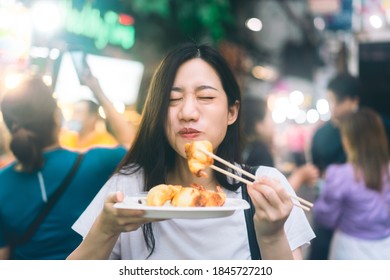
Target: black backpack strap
250,226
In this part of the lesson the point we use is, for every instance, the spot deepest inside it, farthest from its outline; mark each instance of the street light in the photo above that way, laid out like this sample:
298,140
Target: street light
46,16
254,24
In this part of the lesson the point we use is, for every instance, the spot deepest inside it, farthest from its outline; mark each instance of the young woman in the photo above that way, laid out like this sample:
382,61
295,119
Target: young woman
27,185
355,200
193,96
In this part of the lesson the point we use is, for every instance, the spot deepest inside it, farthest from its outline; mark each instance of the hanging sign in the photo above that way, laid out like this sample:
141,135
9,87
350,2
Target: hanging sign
107,28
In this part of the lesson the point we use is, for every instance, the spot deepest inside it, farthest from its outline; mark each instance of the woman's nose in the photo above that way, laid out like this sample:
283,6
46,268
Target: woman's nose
189,109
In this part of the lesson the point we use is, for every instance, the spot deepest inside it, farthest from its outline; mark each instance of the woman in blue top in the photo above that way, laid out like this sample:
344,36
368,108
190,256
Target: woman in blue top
33,118
355,200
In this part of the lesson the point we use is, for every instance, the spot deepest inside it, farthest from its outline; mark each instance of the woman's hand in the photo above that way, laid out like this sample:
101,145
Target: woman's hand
305,174
273,206
101,239
112,221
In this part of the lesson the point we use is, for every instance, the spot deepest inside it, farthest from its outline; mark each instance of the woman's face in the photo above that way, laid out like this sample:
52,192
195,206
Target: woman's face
198,107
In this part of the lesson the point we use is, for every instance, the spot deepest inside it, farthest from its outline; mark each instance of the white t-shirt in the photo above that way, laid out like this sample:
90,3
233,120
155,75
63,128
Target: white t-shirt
216,238
347,247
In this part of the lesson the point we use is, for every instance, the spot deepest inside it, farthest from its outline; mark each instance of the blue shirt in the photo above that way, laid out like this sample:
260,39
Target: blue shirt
22,196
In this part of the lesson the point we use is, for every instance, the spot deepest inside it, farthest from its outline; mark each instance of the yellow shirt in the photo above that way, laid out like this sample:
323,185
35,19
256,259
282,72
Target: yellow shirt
71,140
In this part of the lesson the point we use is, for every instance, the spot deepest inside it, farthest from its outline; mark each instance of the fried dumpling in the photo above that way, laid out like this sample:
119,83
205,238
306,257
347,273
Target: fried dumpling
160,194
211,198
197,160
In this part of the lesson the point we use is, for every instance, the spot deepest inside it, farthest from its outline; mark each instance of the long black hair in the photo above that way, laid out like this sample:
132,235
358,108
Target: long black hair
151,150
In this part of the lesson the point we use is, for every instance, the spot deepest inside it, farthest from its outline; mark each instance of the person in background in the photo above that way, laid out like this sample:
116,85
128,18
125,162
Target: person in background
33,118
355,199
83,131
343,93
193,96
259,131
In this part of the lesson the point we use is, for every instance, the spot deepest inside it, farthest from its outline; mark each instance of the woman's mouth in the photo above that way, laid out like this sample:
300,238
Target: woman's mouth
189,133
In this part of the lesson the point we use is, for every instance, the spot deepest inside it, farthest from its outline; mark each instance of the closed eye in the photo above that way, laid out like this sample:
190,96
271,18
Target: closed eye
174,101
206,93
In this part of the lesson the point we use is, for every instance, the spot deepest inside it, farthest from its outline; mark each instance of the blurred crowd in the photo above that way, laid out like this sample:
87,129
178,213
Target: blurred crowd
348,168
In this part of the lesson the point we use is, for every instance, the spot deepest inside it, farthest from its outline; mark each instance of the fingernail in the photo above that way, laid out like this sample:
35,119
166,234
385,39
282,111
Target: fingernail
263,178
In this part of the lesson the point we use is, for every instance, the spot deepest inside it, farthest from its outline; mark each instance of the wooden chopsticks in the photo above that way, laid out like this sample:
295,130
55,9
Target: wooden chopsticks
306,205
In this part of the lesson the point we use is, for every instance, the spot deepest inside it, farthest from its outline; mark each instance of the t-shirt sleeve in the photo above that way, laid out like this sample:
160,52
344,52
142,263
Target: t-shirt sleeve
297,227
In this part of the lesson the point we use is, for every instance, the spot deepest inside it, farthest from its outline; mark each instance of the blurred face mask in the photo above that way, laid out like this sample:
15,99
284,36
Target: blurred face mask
75,125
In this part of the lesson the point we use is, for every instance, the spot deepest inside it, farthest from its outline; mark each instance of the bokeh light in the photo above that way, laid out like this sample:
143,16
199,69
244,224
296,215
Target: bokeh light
254,24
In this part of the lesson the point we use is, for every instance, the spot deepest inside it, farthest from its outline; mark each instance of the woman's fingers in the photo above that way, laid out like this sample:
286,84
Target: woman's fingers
122,220
114,197
271,190
273,205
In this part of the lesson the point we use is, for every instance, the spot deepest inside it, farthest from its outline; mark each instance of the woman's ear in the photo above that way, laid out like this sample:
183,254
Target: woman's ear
233,112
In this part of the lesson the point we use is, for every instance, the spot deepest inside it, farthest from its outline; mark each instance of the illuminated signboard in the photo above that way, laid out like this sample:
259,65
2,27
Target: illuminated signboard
107,28
120,79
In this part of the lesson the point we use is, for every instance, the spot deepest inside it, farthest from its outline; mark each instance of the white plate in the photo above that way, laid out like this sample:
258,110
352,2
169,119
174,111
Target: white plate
171,212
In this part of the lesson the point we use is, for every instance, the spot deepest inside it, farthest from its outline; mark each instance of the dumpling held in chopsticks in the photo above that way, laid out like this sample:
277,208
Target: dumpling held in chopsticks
197,160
